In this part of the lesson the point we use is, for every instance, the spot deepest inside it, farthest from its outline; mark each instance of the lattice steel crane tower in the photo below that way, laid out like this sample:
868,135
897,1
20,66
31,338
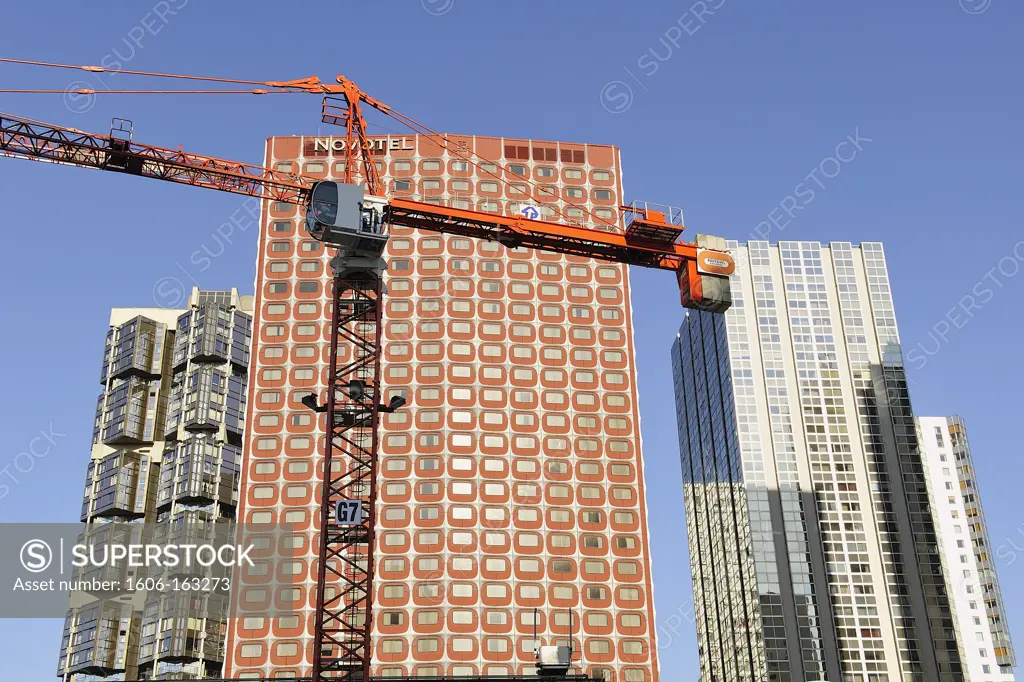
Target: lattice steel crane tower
354,218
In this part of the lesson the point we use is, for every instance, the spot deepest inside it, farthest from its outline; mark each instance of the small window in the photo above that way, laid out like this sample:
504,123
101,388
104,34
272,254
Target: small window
518,169
625,542
573,174
403,185
561,566
251,650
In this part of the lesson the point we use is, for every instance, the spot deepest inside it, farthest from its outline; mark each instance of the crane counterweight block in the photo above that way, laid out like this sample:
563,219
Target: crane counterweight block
120,158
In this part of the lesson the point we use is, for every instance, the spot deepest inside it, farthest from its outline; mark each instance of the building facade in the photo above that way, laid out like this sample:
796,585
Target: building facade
731,636
808,514
973,587
513,480
166,454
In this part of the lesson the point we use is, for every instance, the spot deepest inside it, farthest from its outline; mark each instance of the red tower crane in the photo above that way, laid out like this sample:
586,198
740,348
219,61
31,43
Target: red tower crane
353,397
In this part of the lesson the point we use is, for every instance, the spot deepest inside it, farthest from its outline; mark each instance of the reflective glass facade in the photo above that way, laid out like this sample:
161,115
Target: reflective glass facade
842,540
166,451
731,638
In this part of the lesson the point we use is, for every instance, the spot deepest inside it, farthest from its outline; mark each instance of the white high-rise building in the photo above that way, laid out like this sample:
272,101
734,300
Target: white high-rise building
978,610
813,551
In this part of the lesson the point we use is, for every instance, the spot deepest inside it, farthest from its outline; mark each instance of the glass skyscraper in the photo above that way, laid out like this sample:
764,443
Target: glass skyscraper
726,601
809,521
166,452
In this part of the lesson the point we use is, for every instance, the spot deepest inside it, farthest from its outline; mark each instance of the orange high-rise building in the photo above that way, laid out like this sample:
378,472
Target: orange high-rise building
513,480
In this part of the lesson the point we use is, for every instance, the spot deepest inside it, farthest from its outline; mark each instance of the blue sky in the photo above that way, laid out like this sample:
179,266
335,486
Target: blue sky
724,114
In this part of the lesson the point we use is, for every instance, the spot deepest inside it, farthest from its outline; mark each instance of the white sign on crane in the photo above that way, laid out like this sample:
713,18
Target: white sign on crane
348,512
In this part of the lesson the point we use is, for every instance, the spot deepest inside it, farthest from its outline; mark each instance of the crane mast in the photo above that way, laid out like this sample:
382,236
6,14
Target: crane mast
353,398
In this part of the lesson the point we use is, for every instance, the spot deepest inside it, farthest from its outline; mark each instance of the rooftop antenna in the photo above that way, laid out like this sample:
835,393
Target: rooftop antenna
552,661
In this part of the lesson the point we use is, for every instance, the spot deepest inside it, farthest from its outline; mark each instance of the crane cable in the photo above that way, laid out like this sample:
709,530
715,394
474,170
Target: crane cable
304,86
154,74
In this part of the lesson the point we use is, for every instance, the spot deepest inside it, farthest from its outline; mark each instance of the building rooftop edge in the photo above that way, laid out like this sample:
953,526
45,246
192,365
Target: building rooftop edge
803,241
456,135
169,315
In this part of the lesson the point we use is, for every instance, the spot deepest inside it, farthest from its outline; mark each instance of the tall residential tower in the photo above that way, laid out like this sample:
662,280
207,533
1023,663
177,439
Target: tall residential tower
513,480
813,551
966,550
166,452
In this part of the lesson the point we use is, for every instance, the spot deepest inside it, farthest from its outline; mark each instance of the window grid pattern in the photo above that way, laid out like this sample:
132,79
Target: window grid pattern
860,516
979,615
513,479
938,617
791,498
866,382
135,398
731,622
191,484
975,519
757,488
841,519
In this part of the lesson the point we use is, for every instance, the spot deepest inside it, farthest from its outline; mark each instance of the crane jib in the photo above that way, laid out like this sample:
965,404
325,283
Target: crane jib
648,242
356,224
